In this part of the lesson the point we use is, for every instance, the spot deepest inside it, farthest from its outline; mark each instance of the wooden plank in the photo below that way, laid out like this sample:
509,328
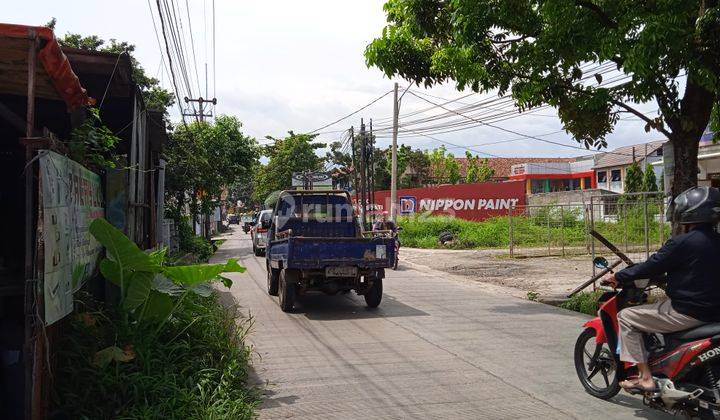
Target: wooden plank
611,247
595,278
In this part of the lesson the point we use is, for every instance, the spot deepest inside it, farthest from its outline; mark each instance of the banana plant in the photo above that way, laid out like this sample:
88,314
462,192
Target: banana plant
150,291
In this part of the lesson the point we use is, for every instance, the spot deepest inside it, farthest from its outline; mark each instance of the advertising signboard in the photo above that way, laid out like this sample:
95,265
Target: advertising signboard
71,199
466,201
312,180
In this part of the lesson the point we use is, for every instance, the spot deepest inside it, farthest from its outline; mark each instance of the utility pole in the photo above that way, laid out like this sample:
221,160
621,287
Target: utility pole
363,172
354,164
393,166
200,115
371,168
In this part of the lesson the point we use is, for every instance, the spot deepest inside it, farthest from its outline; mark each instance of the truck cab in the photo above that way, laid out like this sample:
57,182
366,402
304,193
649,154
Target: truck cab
315,244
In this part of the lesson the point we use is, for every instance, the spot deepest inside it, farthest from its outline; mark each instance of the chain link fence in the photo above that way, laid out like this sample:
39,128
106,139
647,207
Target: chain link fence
635,223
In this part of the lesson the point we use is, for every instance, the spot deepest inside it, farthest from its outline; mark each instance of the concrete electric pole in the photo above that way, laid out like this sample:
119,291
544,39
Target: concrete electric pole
393,166
201,115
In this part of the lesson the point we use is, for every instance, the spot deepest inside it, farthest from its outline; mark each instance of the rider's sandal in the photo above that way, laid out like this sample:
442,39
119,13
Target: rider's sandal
636,388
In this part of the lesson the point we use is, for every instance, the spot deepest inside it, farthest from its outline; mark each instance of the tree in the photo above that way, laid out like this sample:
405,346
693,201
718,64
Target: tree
416,172
633,179
649,181
205,158
539,51
294,153
438,165
381,170
453,169
154,95
485,172
342,162
471,168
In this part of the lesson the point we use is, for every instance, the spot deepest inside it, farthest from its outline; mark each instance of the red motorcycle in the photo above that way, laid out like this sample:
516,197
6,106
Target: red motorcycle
685,364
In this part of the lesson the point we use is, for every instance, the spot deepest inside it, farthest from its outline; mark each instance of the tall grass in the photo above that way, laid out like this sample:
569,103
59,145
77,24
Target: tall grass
543,226
196,368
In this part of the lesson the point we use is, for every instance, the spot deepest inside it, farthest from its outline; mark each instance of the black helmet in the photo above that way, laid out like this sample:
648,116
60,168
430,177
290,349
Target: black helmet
698,205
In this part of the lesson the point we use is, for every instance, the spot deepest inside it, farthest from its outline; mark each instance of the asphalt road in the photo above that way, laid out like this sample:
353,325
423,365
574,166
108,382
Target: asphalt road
435,348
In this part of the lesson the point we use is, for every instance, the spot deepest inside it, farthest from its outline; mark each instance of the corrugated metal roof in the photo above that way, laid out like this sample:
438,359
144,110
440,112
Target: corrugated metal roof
623,156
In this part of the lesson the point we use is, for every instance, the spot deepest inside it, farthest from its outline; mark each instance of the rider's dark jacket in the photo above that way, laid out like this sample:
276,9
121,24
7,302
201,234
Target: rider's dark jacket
692,264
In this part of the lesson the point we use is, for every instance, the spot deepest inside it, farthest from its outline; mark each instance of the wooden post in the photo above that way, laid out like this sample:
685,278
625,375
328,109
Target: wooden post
32,352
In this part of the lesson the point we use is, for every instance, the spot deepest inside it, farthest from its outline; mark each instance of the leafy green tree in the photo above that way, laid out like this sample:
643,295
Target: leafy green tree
438,165
471,168
485,172
381,170
342,162
538,50
205,158
416,172
294,153
649,181
633,178
453,169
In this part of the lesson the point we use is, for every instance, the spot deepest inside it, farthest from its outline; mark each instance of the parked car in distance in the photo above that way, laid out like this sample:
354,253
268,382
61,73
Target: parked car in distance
260,230
233,219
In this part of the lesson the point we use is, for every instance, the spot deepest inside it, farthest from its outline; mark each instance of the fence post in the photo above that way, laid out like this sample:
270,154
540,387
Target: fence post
592,238
661,221
549,233
562,229
510,232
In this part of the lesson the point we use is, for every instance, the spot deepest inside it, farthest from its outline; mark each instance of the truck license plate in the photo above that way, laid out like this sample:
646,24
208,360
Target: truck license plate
341,271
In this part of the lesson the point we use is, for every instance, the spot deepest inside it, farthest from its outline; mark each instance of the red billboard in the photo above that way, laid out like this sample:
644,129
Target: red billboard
467,201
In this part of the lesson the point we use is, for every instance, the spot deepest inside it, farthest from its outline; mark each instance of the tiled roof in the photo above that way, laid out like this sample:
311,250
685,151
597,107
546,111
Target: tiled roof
502,166
623,156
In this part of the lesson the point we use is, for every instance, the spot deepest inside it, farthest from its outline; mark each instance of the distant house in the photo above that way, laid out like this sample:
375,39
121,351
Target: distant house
549,177
503,167
610,168
708,162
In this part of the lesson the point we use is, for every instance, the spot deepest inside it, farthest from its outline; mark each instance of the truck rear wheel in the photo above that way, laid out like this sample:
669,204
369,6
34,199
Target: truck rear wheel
288,283
373,295
272,280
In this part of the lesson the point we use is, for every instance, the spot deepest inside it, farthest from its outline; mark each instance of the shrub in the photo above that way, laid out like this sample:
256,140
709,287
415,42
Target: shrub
200,247
584,302
196,368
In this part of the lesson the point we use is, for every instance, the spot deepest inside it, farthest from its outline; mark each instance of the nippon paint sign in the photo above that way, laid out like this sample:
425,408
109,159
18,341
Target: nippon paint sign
467,201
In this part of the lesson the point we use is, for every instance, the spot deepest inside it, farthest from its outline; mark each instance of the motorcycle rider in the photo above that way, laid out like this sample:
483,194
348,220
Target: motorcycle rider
693,290
384,224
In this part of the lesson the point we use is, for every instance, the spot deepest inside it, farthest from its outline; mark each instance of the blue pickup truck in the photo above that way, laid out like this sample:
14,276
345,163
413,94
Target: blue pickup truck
315,243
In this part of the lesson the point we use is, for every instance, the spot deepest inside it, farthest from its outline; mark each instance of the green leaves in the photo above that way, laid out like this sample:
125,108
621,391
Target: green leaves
120,248
544,50
138,289
159,307
149,290
195,274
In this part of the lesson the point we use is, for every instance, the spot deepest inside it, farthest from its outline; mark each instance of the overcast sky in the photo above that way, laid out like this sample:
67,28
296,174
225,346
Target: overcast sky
297,65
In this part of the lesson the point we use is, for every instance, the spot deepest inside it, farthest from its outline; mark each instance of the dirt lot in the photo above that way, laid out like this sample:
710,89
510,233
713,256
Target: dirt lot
548,276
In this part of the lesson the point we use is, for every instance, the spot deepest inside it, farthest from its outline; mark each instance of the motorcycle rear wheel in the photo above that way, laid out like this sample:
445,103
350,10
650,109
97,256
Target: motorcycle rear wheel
601,361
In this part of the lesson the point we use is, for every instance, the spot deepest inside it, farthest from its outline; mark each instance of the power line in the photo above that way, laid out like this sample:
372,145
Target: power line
511,131
350,114
192,44
167,47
